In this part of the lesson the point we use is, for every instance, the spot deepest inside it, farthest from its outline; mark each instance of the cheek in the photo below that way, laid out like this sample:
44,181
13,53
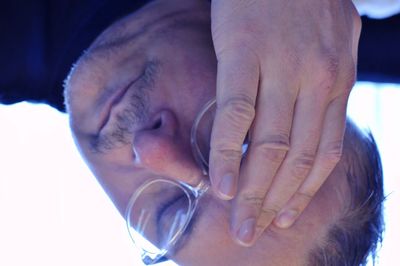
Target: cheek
210,242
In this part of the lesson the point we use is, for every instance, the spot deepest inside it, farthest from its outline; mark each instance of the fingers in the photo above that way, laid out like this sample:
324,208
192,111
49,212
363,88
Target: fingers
305,135
316,145
329,154
355,21
267,149
237,84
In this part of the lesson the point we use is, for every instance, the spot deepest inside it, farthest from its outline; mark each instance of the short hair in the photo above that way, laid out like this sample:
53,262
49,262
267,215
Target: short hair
357,234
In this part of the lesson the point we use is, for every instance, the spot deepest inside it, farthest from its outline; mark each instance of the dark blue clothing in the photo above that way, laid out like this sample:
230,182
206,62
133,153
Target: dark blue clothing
41,39
379,50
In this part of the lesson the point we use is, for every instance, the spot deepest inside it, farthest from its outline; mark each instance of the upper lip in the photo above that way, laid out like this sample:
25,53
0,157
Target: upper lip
113,100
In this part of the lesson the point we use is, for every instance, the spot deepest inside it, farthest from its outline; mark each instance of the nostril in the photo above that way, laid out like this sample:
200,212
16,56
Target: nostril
163,122
157,124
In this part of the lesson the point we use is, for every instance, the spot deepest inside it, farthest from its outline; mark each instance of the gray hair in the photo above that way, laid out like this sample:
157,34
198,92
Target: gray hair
358,232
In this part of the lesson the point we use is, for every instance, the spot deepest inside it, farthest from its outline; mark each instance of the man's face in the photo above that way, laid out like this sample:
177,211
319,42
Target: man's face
132,100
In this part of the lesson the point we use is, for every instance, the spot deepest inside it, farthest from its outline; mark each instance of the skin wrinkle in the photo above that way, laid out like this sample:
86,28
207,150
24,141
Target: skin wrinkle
135,113
180,53
102,144
92,55
119,42
126,38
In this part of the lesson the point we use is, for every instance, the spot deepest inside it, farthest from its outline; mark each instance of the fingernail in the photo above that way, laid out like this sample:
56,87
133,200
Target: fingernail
286,219
226,187
245,234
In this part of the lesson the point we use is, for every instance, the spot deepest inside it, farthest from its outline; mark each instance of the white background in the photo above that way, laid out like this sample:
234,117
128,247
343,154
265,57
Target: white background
53,212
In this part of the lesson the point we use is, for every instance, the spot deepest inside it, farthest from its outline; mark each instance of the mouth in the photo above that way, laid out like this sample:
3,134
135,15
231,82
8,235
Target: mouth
115,97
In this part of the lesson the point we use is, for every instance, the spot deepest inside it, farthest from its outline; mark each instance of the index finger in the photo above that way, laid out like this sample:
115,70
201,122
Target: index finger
237,85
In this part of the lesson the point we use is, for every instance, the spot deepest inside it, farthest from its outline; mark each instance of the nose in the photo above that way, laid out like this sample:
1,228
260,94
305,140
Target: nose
165,151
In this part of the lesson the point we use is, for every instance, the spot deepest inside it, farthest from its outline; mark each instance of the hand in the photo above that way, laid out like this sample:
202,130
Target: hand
285,71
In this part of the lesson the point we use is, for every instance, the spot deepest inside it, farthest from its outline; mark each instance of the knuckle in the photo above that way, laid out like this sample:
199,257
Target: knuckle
332,154
236,115
350,76
328,69
239,109
302,165
253,198
306,195
355,16
273,147
227,50
358,25
267,213
331,159
229,154
357,22
270,210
